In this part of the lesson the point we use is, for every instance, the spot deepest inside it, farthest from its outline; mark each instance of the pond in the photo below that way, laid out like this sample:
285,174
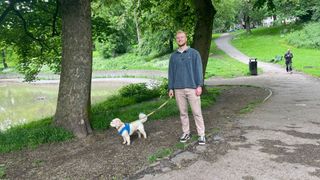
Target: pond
25,102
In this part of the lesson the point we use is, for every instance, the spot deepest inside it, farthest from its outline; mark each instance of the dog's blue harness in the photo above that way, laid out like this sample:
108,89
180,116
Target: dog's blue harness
125,128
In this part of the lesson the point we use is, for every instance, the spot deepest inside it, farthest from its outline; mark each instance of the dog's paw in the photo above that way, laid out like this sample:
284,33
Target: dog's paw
123,142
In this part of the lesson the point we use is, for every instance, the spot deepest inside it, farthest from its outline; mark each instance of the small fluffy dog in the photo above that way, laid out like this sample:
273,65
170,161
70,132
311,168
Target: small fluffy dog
127,129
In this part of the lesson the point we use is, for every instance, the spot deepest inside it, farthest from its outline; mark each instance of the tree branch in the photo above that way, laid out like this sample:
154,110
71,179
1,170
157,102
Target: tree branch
54,23
29,34
6,12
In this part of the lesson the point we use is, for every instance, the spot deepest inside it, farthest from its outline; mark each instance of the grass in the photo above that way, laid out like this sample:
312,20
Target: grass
161,153
130,61
221,65
266,43
2,171
31,135
249,107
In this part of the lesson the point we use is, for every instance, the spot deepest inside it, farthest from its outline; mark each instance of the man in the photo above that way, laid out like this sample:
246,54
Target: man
288,56
185,83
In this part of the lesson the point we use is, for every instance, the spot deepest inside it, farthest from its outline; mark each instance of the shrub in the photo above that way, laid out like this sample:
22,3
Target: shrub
140,92
308,37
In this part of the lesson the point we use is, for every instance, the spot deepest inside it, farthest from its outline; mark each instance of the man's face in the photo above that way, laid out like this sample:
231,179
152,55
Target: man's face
181,39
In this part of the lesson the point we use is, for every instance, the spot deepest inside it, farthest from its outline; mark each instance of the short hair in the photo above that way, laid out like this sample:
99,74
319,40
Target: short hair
180,31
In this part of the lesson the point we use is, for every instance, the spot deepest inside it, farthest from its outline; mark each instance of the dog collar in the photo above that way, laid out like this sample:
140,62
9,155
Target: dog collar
125,128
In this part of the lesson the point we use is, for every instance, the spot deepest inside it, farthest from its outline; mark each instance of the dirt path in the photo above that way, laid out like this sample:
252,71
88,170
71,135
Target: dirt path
280,137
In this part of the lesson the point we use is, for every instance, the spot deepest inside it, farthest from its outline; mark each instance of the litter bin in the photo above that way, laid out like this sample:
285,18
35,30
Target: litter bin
253,66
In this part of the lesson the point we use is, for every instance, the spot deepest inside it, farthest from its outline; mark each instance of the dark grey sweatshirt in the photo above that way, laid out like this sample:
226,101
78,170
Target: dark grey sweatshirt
185,69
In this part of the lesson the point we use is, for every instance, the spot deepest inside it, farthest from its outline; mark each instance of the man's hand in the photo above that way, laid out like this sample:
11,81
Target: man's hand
199,91
171,94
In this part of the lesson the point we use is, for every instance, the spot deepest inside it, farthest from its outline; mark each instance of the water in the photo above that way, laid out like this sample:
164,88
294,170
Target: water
25,102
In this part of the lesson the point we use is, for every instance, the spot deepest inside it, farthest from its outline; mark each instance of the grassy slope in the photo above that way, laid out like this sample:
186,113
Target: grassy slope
266,43
221,65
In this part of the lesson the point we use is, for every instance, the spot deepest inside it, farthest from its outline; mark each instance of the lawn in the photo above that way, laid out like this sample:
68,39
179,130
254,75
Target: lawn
221,65
266,43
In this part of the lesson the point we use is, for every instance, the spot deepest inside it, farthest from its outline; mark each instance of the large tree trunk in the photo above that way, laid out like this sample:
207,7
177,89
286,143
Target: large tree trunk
136,20
203,30
5,65
73,107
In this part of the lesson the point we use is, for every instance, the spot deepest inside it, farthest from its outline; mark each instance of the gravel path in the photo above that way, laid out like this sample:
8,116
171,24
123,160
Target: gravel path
281,137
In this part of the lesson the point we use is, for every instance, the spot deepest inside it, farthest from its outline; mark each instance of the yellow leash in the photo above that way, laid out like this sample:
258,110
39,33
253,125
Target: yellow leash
161,106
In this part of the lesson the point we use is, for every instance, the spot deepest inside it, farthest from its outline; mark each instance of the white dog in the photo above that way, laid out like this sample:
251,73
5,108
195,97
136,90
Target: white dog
127,129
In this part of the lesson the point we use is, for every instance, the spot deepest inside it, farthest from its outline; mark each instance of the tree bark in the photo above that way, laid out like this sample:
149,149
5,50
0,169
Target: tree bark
74,105
136,20
203,29
247,23
5,65
171,42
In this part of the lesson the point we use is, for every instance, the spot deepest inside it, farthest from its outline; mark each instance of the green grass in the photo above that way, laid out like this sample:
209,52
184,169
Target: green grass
266,43
31,135
161,153
221,65
249,107
2,171
130,61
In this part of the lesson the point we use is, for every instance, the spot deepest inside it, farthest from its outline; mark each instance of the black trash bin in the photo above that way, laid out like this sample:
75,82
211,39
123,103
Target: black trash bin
253,66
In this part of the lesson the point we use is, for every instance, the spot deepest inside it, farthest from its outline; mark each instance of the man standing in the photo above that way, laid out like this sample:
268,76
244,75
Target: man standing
185,83
288,56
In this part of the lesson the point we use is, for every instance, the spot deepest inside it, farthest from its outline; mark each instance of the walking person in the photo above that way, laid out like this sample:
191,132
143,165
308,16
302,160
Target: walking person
288,56
185,83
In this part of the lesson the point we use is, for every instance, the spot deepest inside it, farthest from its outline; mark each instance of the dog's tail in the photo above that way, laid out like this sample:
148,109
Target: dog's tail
143,117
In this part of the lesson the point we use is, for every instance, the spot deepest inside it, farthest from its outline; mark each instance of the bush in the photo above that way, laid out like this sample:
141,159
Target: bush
308,37
140,92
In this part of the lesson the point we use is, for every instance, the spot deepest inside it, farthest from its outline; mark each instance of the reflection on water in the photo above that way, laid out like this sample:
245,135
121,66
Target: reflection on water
21,102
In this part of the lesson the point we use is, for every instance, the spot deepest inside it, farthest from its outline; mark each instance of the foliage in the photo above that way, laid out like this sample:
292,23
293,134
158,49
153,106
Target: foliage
308,37
226,14
31,29
32,135
305,10
114,33
139,92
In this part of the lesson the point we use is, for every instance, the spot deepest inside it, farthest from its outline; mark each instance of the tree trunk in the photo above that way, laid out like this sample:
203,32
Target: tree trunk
74,105
5,65
203,29
171,42
136,20
247,23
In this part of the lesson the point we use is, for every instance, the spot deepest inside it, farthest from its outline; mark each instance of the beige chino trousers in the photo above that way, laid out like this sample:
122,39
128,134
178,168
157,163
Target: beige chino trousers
183,96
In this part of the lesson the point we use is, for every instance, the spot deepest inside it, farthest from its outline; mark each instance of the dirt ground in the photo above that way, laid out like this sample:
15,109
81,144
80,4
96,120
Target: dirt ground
102,156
